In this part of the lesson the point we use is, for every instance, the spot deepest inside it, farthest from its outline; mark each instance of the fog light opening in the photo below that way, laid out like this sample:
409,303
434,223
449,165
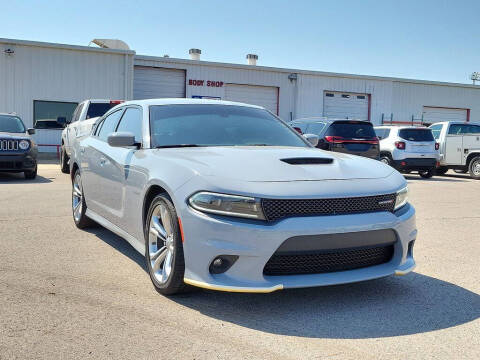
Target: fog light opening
222,263
410,248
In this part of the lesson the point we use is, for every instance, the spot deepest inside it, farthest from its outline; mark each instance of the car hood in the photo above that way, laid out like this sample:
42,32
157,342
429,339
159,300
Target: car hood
17,136
265,163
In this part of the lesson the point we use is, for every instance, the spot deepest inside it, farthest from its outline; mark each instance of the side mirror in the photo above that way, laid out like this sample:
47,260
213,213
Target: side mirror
30,131
312,139
121,139
62,120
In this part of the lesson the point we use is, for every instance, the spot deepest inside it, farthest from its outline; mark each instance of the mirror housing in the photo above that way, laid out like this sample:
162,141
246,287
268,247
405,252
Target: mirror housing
121,139
31,131
312,138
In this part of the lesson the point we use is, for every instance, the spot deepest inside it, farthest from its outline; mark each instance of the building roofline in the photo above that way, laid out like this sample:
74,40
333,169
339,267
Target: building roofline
64,46
298,71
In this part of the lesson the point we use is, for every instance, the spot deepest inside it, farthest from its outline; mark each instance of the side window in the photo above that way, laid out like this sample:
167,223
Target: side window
380,133
436,130
386,134
315,128
475,129
109,124
132,122
456,129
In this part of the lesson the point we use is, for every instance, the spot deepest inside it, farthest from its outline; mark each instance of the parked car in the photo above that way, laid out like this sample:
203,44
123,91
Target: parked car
459,147
408,148
226,196
346,136
83,119
18,151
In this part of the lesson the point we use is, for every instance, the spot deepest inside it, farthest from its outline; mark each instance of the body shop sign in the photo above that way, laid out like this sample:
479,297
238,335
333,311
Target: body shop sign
209,83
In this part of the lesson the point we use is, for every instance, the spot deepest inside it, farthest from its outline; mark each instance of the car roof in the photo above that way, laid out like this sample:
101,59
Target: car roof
457,122
400,127
180,101
9,114
324,119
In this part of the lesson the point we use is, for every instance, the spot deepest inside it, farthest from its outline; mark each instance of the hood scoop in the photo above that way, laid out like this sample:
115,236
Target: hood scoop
307,161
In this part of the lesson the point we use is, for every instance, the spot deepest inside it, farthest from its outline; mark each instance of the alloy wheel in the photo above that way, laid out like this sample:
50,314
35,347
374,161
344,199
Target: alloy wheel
77,198
161,244
476,168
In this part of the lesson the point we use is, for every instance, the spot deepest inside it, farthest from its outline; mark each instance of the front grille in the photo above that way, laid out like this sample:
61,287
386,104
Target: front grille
10,165
8,145
327,261
275,209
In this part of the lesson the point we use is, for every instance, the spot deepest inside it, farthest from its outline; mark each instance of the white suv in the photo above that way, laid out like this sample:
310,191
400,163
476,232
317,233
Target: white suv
408,148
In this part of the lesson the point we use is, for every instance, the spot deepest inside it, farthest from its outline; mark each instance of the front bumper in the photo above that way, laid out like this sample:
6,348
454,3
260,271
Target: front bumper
415,164
254,242
18,162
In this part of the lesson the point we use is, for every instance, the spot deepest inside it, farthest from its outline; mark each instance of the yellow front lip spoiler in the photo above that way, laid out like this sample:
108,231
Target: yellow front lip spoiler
238,289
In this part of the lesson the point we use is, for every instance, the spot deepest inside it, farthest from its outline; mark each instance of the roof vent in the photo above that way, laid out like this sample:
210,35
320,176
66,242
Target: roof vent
252,59
308,161
111,44
195,54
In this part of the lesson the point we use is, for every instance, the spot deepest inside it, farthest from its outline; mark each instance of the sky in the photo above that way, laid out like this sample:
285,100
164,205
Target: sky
422,39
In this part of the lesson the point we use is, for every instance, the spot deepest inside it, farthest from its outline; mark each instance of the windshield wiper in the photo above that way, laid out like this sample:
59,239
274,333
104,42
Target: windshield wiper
176,146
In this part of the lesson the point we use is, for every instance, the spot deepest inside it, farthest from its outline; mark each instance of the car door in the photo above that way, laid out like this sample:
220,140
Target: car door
453,145
72,129
101,173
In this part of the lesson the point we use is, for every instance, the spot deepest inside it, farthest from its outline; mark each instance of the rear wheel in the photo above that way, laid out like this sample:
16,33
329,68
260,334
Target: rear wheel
386,159
79,207
426,174
474,168
164,248
64,161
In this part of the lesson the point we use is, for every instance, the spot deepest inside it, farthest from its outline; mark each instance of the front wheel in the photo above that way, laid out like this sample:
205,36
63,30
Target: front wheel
386,160
426,174
30,175
474,168
164,248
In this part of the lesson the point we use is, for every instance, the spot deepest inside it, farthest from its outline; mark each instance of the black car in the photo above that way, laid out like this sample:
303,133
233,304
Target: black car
355,137
18,152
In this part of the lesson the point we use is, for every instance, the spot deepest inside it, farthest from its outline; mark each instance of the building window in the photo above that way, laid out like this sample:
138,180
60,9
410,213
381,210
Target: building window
329,95
345,96
46,114
360,96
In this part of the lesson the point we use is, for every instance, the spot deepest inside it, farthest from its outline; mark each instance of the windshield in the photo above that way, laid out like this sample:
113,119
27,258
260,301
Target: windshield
99,109
351,130
218,125
416,134
11,124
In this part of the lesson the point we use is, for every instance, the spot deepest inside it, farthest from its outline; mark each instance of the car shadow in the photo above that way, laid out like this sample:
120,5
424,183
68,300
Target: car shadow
384,307
19,178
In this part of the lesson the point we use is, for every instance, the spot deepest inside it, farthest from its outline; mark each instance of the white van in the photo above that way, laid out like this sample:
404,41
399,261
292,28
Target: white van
459,146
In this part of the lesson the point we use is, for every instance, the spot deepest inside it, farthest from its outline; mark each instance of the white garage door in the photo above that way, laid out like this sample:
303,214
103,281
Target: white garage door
343,105
266,96
152,83
434,114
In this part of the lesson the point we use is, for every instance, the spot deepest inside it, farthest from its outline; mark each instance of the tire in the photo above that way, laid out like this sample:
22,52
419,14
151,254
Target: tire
426,174
474,168
386,159
30,175
79,206
64,162
162,231
441,170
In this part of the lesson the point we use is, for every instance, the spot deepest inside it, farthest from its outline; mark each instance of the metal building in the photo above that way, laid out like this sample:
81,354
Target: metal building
42,81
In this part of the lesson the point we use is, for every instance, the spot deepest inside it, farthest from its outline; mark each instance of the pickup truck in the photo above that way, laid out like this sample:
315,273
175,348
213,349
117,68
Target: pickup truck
459,147
83,119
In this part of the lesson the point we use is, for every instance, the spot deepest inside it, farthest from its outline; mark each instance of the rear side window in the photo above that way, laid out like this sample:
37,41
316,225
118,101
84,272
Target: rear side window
132,122
436,130
352,130
382,133
457,129
315,128
108,125
416,134
98,109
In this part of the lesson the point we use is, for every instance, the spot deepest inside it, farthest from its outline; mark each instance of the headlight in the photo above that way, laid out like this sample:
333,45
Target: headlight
24,144
230,205
402,198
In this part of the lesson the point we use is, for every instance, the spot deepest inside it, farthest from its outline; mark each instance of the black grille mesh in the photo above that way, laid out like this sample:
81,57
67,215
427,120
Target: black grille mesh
324,262
275,209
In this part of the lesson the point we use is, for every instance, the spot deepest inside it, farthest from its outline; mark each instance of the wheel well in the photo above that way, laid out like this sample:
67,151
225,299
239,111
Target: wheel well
385,153
74,168
153,191
470,157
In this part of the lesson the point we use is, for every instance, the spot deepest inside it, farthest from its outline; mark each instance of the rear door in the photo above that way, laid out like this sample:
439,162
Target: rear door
353,137
471,138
